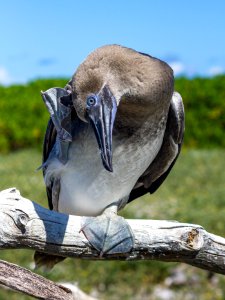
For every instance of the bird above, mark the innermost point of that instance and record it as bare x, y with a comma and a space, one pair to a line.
115, 132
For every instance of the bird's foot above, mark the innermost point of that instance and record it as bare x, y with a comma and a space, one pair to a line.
108, 233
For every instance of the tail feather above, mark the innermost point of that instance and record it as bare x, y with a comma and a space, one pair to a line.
46, 261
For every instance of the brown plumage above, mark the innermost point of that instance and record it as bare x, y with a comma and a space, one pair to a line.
137, 78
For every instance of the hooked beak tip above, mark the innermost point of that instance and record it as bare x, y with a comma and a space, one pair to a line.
107, 165
110, 169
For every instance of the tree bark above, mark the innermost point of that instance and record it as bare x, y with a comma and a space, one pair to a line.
25, 224
27, 282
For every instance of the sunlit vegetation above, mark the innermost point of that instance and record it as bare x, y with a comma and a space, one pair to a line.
24, 116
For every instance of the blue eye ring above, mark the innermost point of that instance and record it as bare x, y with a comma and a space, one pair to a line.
91, 101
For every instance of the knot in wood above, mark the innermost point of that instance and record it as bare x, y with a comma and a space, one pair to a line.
21, 220
194, 239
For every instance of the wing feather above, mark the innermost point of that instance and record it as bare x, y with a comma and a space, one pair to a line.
57, 101
49, 142
161, 166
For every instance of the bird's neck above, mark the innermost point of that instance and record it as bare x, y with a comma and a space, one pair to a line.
135, 117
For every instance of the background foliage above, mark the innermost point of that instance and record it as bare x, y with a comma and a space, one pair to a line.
204, 101
24, 117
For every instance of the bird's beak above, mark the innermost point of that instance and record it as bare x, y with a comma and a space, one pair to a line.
102, 115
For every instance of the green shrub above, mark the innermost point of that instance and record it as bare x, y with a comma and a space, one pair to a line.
23, 116
204, 100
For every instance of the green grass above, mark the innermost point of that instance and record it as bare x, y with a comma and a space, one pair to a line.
194, 192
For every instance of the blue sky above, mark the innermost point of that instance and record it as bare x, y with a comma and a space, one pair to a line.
50, 38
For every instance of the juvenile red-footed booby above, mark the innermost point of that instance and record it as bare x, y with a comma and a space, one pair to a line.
115, 132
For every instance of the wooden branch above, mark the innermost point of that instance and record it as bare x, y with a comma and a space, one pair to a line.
25, 224
27, 282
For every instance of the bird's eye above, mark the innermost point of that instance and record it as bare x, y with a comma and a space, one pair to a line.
91, 101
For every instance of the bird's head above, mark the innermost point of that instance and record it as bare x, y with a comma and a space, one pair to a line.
107, 75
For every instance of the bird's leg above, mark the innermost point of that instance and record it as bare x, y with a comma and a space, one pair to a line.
108, 233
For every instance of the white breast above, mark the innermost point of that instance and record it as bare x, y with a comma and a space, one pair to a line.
87, 188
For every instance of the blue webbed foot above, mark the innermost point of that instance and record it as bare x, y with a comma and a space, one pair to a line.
108, 233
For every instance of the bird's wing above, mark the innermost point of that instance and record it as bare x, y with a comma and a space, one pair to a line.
49, 142
161, 166
58, 135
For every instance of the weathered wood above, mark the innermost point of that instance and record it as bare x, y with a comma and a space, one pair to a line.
25, 224
27, 282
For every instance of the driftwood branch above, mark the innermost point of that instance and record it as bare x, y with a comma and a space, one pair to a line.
16, 278
25, 224
27, 282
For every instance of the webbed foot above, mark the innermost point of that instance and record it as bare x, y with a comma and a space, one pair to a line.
108, 233
59, 102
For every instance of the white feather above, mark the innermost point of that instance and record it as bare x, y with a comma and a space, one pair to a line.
86, 187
